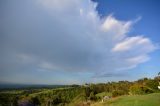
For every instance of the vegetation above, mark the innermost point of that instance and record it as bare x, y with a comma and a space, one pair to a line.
123, 93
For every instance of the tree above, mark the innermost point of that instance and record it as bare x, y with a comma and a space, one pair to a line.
92, 96
15, 101
35, 101
152, 84
117, 93
140, 89
87, 92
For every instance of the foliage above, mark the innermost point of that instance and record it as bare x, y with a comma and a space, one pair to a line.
140, 89
76, 94
92, 96
118, 93
152, 84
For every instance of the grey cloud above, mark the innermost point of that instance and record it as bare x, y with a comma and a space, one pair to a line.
62, 36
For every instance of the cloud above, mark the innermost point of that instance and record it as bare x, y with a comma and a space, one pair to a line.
111, 74
137, 42
115, 27
68, 36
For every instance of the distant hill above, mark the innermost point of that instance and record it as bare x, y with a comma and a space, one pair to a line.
29, 86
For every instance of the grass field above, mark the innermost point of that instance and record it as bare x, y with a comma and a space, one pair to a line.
133, 100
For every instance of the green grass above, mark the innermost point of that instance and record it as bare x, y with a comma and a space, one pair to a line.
133, 100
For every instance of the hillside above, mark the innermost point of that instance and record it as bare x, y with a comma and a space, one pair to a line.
143, 92
133, 100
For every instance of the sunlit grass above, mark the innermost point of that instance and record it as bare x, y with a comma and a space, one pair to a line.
133, 100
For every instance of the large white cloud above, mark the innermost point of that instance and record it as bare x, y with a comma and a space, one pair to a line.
69, 35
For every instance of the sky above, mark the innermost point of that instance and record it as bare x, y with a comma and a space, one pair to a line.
78, 41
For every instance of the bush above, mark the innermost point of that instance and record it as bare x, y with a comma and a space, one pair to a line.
35, 101
153, 84
139, 89
118, 93
92, 96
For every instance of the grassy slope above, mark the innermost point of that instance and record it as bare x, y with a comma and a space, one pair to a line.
136, 100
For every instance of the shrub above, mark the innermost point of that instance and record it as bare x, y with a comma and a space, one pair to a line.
139, 89
118, 93
92, 96
152, 84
